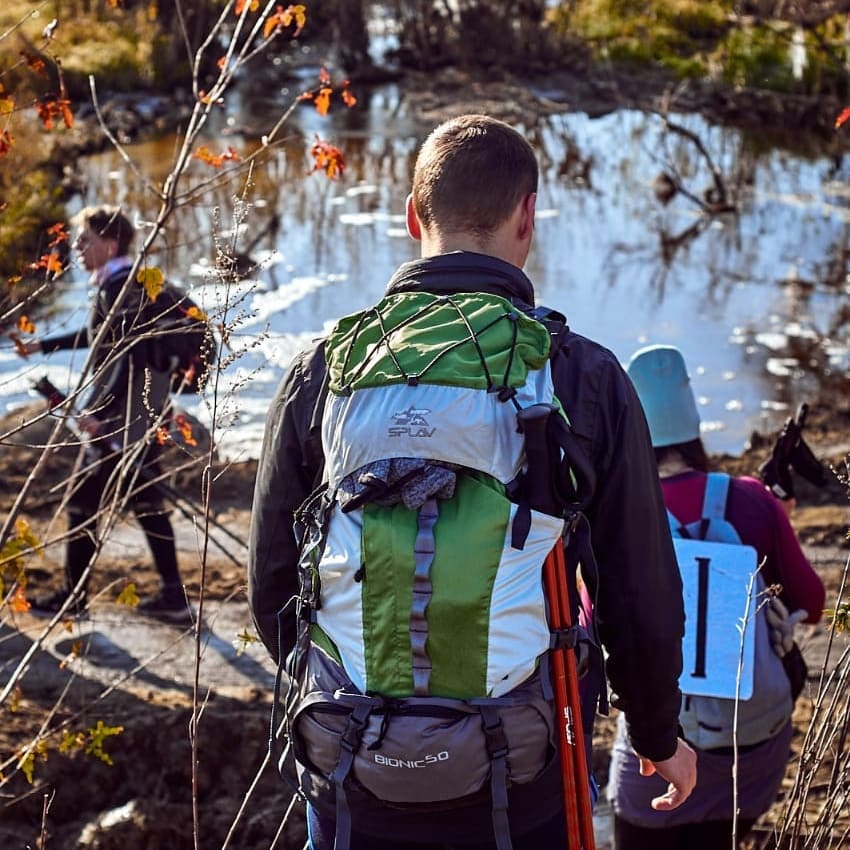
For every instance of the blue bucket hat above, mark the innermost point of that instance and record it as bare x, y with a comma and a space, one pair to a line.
660, 377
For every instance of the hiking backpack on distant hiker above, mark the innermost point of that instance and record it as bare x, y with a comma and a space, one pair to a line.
420, 672
184, 344
719, 573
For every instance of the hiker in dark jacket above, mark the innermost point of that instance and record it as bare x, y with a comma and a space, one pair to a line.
125, 400
472, 210
763, 735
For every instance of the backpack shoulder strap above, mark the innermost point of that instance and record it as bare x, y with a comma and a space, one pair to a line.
555, 323
716, 492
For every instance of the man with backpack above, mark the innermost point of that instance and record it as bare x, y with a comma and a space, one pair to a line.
420, 705
127, 398
743, 564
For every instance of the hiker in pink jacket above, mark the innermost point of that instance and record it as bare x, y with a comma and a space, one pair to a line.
759, 518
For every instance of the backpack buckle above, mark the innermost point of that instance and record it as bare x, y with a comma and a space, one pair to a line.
564, 638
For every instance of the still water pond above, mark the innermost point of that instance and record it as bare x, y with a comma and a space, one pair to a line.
751, 299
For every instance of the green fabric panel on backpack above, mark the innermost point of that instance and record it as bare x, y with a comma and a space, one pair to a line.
470, 537
388, 538
420, 326
318, 636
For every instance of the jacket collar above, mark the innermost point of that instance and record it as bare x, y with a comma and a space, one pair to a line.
109, 268
463, 271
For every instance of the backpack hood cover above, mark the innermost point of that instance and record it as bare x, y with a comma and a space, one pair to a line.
397, 373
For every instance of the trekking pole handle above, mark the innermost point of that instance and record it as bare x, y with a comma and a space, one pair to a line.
49, 390
540, 493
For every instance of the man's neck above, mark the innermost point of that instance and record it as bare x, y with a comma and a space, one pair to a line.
449, 243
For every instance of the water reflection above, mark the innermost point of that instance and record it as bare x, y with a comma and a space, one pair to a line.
626, 268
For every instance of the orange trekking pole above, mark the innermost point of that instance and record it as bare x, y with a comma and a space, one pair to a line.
540, 493
577, 808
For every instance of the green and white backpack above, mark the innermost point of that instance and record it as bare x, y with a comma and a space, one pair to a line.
420, 674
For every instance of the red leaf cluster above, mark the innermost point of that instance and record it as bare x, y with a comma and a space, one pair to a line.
53, 108
327, 158
51, 263
321, 96
35, 63
204, 154
58, 234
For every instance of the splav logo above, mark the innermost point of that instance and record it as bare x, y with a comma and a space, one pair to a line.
411, 423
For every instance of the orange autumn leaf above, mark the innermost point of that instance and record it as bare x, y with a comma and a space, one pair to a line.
843, 117
282, 18
65, 111
46, 113
51, 263
152, 279
50, 109
163, 438
6, 142
59, 234
323, 100
7, 105
18, 603
222, 63
348, 98
196, 313
204, 154
299, 12
252, 5
35, 63
25, 325
327, 158
185, 428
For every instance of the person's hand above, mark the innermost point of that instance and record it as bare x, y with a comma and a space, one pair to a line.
680, 770
781, 625
88, 424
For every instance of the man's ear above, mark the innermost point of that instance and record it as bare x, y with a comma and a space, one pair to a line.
413, 226
526, 218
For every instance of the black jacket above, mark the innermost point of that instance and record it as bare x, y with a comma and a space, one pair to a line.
639, 605
122, 396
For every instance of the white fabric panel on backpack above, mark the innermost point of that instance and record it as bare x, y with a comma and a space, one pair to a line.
453, 424
715, 645
518, 606
340, 615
